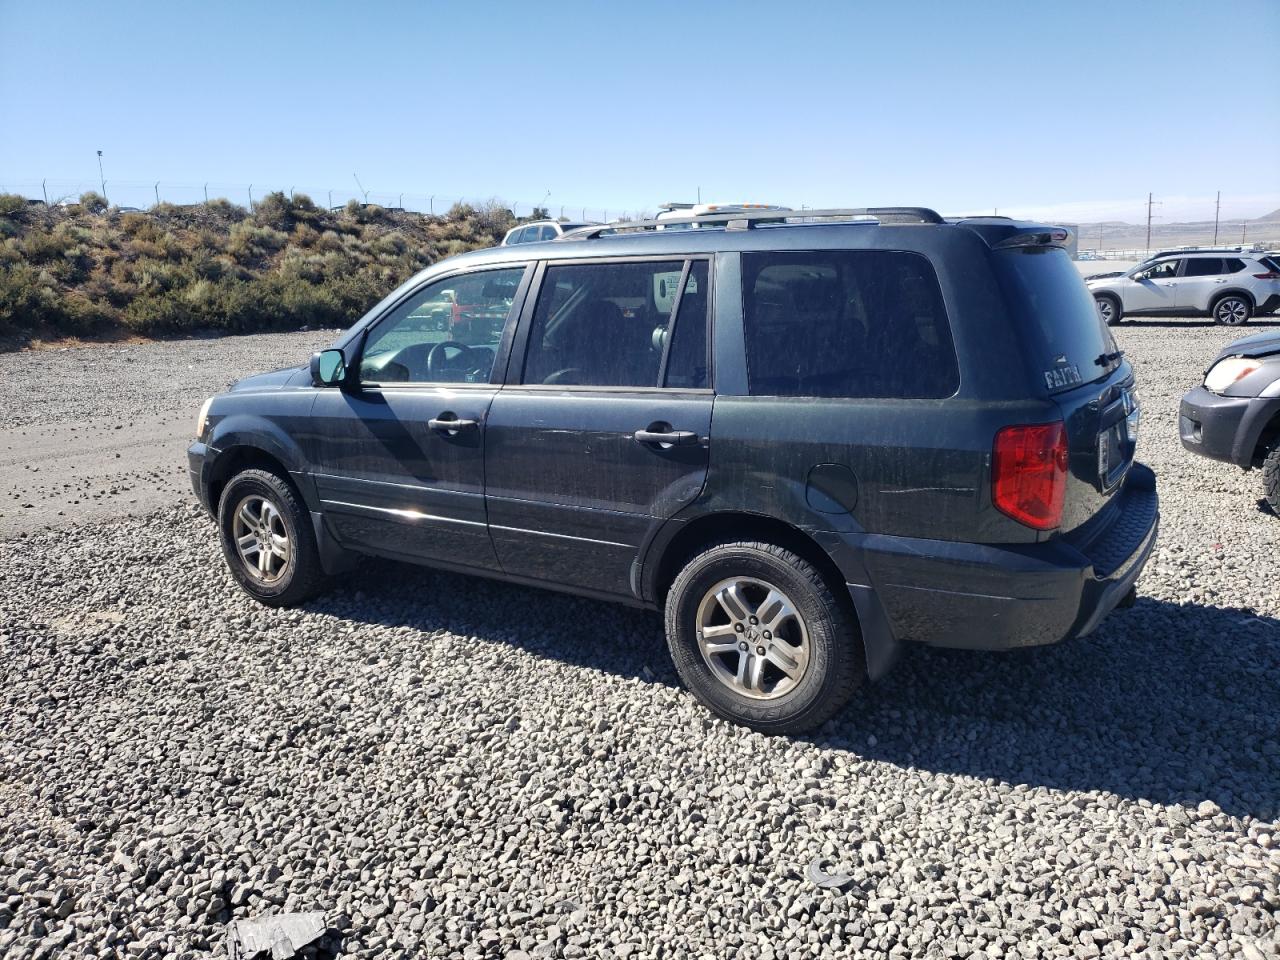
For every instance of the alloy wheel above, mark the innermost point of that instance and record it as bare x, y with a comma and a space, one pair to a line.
261, 538
753, 638
1231, 311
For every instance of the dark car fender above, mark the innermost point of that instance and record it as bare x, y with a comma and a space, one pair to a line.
778, 510
238, 433
1260, 415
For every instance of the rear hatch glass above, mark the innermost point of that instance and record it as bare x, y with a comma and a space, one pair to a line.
1078, 363
1056, 315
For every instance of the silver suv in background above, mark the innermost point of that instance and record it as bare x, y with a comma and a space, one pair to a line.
1230, 287
542, 230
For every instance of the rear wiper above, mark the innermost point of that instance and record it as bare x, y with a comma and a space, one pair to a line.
1104, 358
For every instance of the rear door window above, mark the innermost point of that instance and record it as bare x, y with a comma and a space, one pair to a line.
610, 325
1232, 265
1203, 267
846, 323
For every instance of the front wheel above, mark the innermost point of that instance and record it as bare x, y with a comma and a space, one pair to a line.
1109, 309
267, 539
1271, 478
759, 637
1232, 310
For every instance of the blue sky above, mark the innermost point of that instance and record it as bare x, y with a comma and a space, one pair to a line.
1065, 109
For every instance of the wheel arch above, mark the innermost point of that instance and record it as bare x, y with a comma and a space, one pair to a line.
1268, 437
246, 456
1229, 291
666, 560
880, 648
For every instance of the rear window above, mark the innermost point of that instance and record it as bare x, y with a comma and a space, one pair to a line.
846, 323
1057, 315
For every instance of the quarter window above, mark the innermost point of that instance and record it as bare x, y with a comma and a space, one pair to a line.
609, 324
846, 324
448, 332
1232, 265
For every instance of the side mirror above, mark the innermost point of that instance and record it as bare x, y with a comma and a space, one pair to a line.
328, 368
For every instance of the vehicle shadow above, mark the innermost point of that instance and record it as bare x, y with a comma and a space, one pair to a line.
1171, 703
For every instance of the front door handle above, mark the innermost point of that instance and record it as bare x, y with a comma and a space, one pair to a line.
451, 424
675, 438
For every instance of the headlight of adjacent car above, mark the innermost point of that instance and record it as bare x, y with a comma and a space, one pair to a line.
1226, 372
202, 417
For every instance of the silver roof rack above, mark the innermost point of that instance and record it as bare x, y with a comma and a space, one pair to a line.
749, 219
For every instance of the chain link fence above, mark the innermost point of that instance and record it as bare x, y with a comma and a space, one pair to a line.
144, 194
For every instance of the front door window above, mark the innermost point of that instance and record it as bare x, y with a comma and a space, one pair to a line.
447, 332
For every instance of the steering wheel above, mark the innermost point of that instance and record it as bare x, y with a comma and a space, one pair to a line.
568, 375
438, 361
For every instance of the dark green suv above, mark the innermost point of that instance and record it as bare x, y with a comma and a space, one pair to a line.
807, 442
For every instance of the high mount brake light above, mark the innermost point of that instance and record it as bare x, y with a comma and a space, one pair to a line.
1029, 473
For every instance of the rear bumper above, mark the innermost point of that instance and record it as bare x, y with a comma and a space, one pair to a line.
1224, 428
1269, 305
984, 597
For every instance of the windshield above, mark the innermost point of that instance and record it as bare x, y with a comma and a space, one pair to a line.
1057, 314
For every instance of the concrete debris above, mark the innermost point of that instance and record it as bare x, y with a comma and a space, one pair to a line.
284, 934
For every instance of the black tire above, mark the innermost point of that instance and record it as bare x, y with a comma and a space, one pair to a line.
835, 663
1232, 310
1106, 300
301, 575
1271, 477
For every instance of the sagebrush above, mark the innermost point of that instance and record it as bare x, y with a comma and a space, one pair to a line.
89, 270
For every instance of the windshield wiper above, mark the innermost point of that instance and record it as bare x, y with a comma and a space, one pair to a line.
1104, 358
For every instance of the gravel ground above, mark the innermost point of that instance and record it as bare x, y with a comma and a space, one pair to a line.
452, 767
89, 433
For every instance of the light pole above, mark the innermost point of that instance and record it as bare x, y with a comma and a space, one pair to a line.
101, 176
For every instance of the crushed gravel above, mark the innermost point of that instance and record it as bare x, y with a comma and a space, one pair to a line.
452, 767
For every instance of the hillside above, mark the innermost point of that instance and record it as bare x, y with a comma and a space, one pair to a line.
1116, 235
90, 271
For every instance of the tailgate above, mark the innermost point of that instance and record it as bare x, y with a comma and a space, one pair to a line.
1102, 421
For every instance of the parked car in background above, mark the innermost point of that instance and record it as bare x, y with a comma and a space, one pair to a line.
1230, 287
541, 230
922, 434
1234, 416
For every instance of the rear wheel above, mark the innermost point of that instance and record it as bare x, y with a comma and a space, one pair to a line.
1109, 309
1271, 477
759, 637
1232, 310
267, 539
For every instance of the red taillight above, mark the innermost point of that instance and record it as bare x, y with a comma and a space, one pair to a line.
1029, 473
1267, 276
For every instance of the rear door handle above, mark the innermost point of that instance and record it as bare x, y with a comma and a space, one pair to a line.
451, 424
1170, 284
677, 438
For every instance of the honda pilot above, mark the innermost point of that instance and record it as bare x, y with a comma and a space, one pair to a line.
807, 442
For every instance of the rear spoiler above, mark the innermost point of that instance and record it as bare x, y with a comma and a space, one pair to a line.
1039, 237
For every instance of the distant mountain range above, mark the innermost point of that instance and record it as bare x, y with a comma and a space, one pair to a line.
1117, 235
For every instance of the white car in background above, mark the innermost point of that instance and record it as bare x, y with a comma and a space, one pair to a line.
1229, 286
540, 230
